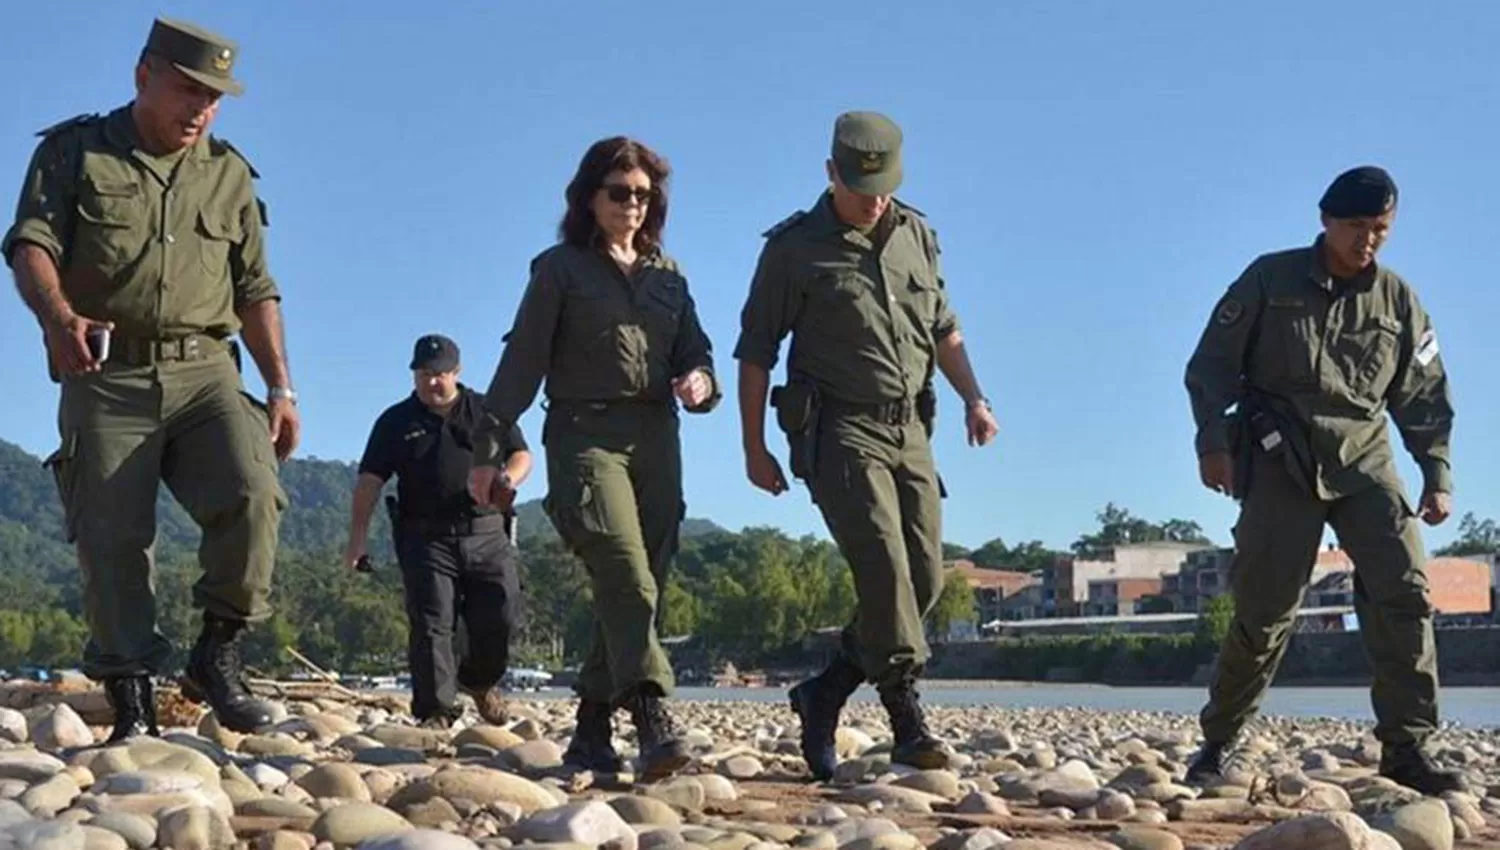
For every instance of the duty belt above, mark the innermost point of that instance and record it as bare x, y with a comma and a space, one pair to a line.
144, 351
460, 527
898, 412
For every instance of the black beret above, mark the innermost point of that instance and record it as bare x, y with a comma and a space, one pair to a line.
1359, 193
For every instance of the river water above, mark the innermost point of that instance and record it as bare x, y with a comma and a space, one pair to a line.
1473, 707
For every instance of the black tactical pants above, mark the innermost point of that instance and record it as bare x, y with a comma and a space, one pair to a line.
463, 603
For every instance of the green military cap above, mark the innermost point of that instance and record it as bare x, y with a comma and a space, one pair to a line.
867, 152
202, 55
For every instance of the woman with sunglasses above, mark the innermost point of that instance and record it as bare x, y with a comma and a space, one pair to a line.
608, 322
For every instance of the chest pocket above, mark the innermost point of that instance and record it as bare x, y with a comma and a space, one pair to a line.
218, 231
841, 304
590, 314
1288, 340
112, 224
421, 444
662, 305
922, 301
1369, 355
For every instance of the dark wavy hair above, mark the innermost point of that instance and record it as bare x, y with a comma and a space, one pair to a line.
605, 156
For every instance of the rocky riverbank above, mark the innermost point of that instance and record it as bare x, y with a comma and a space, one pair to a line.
345, 771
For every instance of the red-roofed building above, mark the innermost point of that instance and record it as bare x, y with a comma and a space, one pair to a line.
992, 586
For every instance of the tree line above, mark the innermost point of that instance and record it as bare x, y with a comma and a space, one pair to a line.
747, 596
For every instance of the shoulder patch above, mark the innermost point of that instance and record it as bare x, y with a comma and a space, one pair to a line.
785, 224
1229, 312
76, 121
236, 151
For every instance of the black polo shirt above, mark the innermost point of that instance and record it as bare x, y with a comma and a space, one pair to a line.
431, 456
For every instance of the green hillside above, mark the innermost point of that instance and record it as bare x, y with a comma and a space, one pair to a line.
340, 619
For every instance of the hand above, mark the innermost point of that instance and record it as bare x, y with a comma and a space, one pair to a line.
1216, 469
502, 493
694, 388
1436, 507
286, 426
765, 471
482, 481
353, 552
981, 424
67, 341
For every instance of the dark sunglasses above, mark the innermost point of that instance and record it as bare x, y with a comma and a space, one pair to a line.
620, 193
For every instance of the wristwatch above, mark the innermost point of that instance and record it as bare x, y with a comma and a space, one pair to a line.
504, 481
287, 393
980, 401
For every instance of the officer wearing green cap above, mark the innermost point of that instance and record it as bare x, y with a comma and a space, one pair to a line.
139, 243
857, 284
1291, 383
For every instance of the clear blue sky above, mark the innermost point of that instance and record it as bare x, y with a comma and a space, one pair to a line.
1097, 172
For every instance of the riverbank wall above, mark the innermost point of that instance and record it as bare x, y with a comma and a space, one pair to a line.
1467, 656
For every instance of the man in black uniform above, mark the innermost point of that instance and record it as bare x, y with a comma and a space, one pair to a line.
457, 559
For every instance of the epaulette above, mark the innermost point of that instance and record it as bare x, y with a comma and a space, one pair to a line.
908, 207
236, 151
784, 224
76, 121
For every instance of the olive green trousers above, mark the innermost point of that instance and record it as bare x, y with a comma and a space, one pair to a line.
1277, 538
188, 424
614, 494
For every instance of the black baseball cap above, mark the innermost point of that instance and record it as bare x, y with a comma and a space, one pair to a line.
436, 353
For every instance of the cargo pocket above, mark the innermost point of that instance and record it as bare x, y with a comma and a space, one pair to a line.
1374, 358
64, 464
576, 512
262, 452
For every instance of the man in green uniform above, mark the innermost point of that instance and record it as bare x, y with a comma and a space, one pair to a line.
1311, 347
857, 284
138, 243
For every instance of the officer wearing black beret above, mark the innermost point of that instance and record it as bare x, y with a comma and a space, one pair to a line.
1302, 362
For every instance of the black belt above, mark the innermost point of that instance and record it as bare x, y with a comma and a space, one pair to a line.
898, 412
144, 351
602, 405
461, 527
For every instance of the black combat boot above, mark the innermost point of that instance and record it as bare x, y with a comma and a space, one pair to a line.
592, 747
663, 751
817, 703
1207, 766
135, 707
1409, 765
914, 745
215, 675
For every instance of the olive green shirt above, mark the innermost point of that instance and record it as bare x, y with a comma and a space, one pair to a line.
596, 334
865, 318
163, 247
1341, 353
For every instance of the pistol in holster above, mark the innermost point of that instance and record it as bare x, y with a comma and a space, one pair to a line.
1256, 430
797, 407
1242, 450
926, 403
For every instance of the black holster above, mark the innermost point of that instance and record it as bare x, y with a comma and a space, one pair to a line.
798, 406
926, 402
1270, 428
